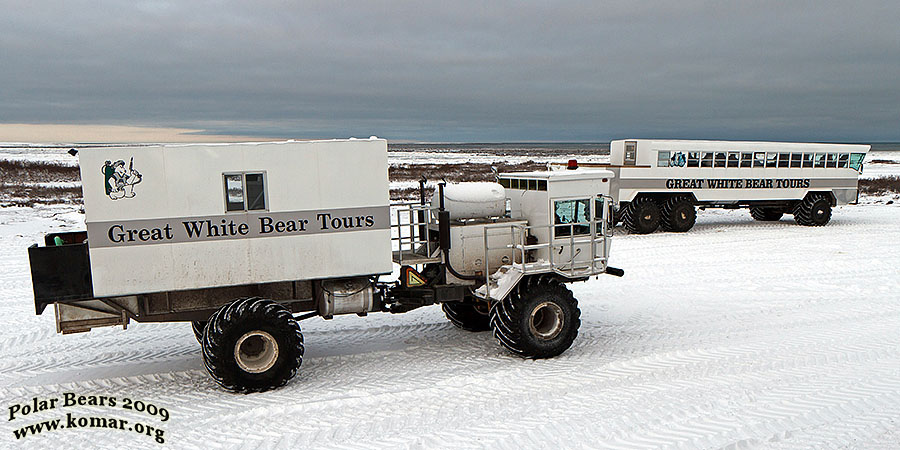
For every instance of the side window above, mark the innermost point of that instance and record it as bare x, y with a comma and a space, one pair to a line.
706, 160
807, 160
662, 159
771, 159
568, 212
504, 182
746, 159
720, 159
630, 153
245, 191
795, 159
256, 191
831, 160
784, 160
759, 160
234, 192
819, 160
856, 160
734, 159
843, 160
693, 159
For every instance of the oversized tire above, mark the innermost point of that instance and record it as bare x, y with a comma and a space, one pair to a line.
468, 316
766, 214
538, 319
813, 211
642, 216
252, 345
198, 326
678, 214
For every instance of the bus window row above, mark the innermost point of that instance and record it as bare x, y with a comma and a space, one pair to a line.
760, 159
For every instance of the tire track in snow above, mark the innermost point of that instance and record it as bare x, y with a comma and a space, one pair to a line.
693, 366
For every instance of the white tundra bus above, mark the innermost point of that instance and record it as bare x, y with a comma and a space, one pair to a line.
246, 240
659, 183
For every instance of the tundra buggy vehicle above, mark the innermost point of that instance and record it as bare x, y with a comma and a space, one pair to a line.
245, 240
659, 183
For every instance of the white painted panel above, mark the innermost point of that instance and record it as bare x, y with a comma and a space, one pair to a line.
185, 182
139, 269
150, 194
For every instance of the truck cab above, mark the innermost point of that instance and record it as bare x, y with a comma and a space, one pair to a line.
568, 212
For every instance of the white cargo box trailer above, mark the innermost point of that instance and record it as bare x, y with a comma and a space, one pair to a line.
205, 216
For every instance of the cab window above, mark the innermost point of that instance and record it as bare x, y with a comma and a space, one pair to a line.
856, 160
571, 217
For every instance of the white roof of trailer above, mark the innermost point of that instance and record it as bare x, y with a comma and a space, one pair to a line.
678, 144
234, 144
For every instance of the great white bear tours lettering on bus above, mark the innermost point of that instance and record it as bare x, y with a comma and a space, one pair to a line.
199, 229
737, 183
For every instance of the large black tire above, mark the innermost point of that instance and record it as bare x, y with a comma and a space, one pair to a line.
538, 319
642, 216
198, 326
678, 214
252, 345
766, 214
813, 211
468, 316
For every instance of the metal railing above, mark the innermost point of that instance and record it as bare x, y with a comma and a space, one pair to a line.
571, 268
412, 235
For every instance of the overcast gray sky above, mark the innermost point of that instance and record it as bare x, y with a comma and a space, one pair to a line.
459, 70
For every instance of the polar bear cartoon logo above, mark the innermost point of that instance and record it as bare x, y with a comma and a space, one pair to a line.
120, 181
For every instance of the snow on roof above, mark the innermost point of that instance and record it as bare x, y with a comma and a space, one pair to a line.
577, 174
682, 144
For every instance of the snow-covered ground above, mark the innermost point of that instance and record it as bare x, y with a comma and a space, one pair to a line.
737, 334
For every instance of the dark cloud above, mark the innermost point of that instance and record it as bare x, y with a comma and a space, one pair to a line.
822, 70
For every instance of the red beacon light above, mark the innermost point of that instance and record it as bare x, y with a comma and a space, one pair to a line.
573, 164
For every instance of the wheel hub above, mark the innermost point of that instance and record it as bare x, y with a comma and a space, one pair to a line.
546, 321
256, 351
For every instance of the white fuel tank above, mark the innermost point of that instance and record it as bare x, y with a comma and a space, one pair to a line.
472, 200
